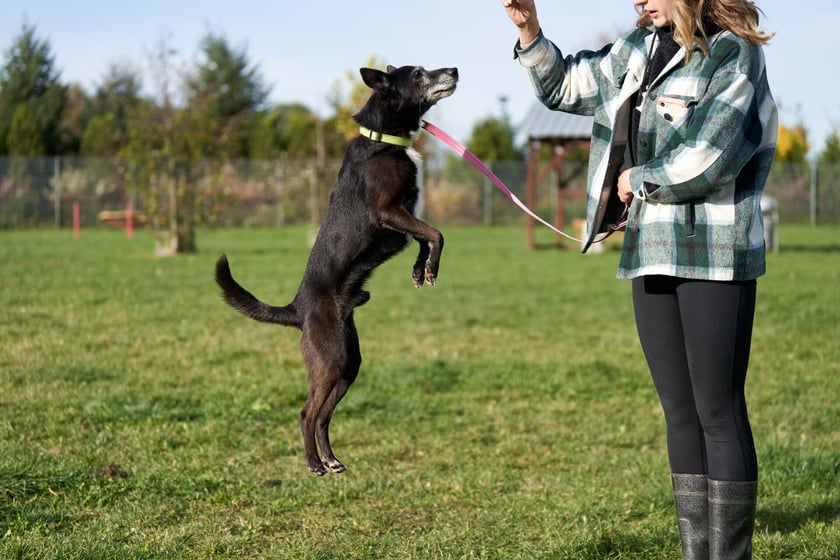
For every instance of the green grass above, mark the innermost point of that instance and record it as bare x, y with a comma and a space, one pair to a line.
506, 413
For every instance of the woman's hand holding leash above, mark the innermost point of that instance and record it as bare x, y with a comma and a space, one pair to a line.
625, 191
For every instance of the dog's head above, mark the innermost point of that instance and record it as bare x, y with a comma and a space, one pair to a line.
407, 92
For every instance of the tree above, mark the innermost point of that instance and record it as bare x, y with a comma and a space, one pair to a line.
792, 144
101, 136
494, 138
288, 130
25, 136
115, 98
29, 78
831, 152
153, 158
74, 119
223, 96
173, 153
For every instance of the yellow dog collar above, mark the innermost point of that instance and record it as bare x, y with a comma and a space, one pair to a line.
387, 138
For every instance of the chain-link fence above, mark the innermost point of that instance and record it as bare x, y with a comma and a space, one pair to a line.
38, 192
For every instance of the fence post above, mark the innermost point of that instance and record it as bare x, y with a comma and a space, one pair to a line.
77, 220
129, 220
487, 197
814, 191
57, 191
280, 182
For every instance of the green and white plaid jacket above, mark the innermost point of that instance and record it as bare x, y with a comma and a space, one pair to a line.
707, 136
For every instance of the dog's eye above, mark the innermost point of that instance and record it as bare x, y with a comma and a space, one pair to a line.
417, 74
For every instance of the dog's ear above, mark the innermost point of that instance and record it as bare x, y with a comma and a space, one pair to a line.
375, 79
390, 69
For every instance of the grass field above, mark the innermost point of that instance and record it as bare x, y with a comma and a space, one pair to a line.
506, 413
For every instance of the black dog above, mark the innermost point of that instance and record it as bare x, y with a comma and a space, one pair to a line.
370, 216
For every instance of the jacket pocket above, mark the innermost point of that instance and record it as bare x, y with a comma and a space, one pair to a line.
675, 110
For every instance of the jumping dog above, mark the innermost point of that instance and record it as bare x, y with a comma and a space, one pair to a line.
370, 217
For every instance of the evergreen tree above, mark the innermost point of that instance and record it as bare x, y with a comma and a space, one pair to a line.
831, 153
25, 137
74, 119
223, 94
494, 138
287, 130
113, 103
29, 79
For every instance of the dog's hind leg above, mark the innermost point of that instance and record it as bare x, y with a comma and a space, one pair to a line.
351, 370
323, 353
318, 394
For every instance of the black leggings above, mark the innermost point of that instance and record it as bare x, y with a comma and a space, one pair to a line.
696, 338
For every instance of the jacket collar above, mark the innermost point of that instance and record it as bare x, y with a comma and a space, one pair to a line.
625, 65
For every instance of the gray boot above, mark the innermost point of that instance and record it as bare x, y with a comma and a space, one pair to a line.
691, 496
731, 519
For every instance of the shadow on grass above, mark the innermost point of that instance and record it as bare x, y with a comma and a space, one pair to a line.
778, 520
797, 486
616, 544
817, 249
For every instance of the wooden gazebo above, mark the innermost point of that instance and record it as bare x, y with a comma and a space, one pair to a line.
561, 131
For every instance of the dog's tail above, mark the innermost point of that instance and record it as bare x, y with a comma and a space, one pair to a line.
246, 303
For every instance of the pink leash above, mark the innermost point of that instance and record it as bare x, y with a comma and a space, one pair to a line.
478, 164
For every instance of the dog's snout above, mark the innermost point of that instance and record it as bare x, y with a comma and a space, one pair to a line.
443, 83
444, 74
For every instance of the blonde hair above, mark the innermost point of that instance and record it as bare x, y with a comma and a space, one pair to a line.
695, 20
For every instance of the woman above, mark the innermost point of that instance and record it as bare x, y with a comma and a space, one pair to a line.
684, 134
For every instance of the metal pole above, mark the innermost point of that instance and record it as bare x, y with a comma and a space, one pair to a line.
487, 197
280, 182
57, 191
814, 191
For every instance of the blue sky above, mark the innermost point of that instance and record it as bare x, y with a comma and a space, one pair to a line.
304, 48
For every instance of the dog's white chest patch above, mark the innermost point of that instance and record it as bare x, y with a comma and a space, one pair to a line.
415, 156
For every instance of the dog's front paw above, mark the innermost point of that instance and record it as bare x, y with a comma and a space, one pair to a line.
417, 276
425, 273
431, 274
